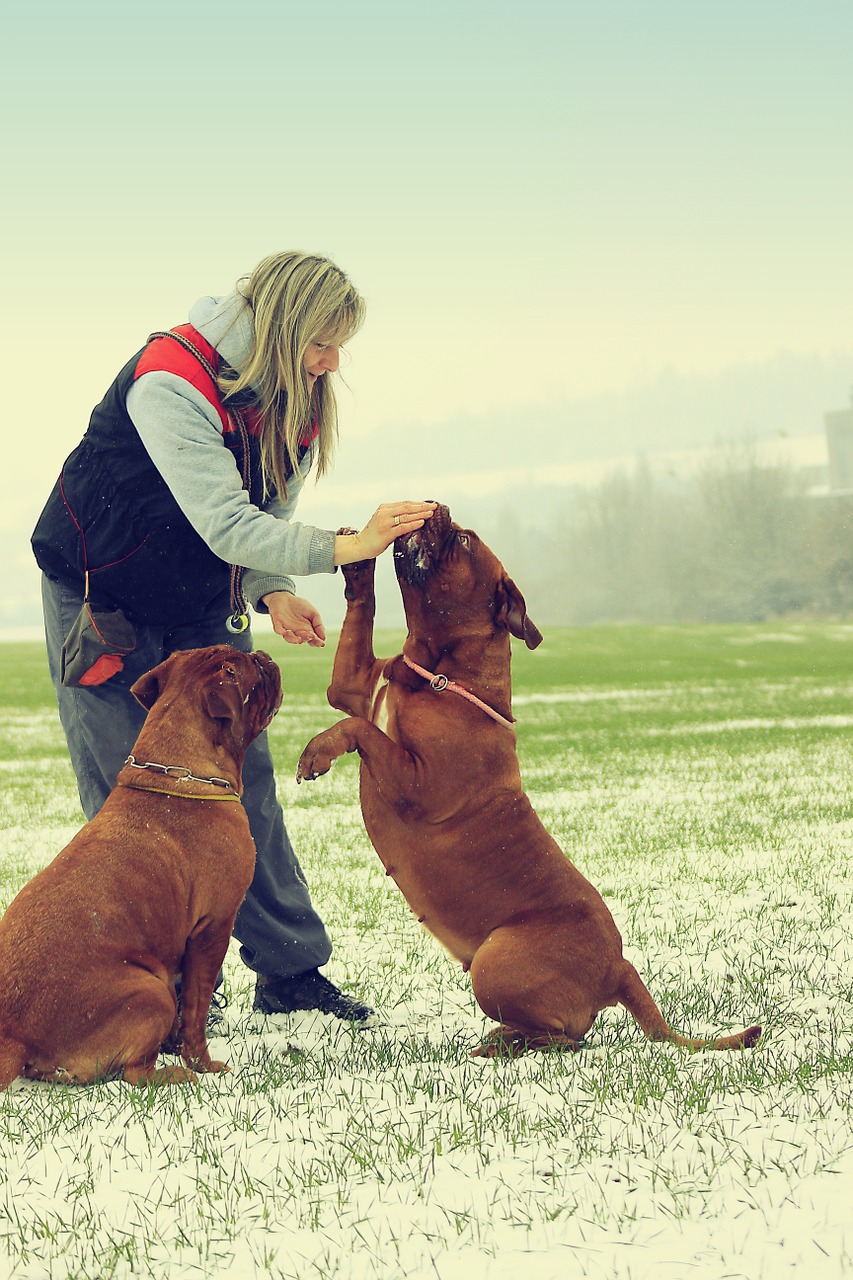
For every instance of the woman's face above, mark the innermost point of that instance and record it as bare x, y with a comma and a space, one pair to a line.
320, 358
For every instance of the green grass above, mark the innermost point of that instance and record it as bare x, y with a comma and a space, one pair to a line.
701, 778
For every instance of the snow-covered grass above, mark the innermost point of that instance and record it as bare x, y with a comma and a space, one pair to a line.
702, 780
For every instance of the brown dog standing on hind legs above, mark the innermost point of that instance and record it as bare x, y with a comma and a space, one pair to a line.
147, 891
444, 807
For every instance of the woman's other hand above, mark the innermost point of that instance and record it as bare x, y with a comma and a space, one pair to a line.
295, 620
388, 522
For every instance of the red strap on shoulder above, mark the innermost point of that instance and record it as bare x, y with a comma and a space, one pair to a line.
164, 355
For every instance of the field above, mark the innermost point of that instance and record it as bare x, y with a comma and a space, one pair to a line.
701, 778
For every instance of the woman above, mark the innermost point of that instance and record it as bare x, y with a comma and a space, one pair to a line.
176, 508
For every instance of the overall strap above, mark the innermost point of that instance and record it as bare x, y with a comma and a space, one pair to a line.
239, 618
188, 346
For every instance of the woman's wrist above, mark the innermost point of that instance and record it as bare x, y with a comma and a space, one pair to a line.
348, 548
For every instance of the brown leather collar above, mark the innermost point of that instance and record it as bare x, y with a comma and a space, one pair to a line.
177, 795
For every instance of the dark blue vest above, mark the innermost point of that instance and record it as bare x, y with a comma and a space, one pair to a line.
112, 515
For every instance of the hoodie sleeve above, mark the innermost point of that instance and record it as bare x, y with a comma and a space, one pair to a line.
183, 438
256, 583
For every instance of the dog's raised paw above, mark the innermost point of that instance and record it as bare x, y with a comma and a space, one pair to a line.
312, 765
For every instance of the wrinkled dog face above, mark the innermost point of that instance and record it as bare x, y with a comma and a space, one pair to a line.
439, 546
418, 554
243, 688
449, 577
267, 689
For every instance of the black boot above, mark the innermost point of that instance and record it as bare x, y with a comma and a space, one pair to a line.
308, 990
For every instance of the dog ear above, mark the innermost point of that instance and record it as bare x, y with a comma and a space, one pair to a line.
222, 697
511, 613
146, 690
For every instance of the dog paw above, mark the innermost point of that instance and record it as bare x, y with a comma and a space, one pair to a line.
204, 1064
313, 763
506, 1042
358, 575
159, 1076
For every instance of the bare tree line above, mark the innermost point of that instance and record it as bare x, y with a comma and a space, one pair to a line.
740, 540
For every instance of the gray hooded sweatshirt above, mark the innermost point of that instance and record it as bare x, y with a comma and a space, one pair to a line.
182, 433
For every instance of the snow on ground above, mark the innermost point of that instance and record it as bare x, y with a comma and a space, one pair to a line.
390, 1152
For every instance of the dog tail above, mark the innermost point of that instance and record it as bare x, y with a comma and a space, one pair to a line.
634, 995
13, 1057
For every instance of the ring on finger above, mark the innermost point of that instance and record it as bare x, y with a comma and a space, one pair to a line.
396, 522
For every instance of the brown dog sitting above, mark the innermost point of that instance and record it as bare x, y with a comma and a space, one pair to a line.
444, 808
91, 947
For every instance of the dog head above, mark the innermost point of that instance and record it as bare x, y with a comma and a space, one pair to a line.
239, 690
454, 584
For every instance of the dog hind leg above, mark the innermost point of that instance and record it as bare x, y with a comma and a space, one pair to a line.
143, 1073
508, 1042
536, 1007
13, 1058
126, 1043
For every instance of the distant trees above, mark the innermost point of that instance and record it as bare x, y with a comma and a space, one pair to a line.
739, 540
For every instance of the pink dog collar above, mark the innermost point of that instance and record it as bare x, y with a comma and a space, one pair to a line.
439, 683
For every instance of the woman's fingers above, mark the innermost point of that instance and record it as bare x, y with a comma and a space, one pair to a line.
391, 520
396, 518
407, 516
295, 620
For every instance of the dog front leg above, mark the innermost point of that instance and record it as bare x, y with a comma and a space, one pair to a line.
395, 772
203, 956
352, 672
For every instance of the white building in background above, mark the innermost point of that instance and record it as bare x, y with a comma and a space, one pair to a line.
839, 445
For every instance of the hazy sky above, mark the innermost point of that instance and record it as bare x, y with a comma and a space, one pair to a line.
542, 201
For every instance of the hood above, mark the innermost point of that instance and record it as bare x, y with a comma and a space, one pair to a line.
226, 323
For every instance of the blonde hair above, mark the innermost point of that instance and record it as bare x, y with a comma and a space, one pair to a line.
295, 299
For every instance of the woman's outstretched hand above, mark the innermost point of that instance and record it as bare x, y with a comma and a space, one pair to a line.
387, 523
295, 620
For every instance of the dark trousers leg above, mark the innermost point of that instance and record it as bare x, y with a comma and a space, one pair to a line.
280, 932
277, 925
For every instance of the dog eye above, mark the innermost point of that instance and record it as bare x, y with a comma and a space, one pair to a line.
464, 539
